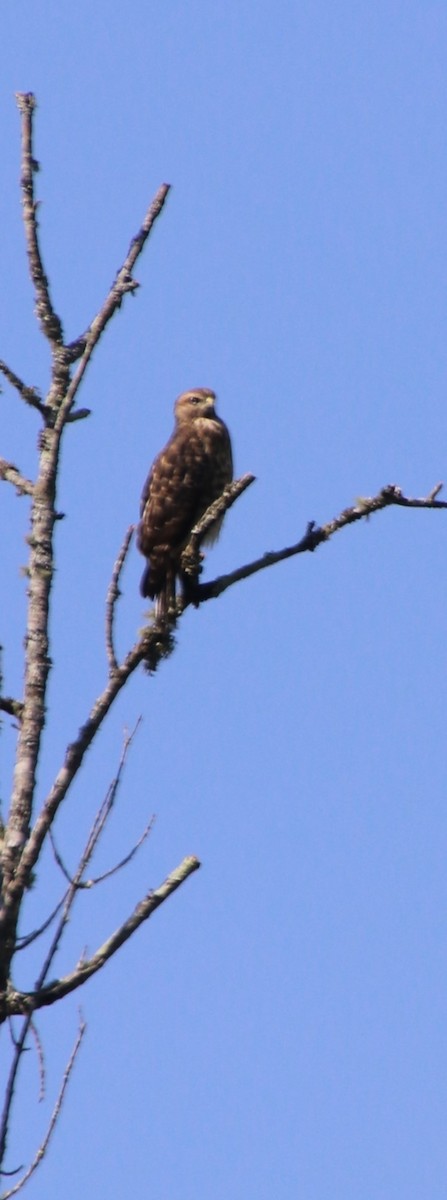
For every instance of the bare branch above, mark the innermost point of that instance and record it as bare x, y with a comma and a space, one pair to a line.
23, 942
78, 414
89, 883
49, 321
220, 506
315, 535
123, 282
150, 642
40, 1058
59, 860
152, 646
100, 820
66, 905
11, 1082
12, 1036
40, 569
191, 554
84, 346
29, 394
24, 1002
95, 833
11, 474
86, 884
113, 595
54, 1117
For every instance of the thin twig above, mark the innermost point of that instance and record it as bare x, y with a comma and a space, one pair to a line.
77, 882
40, 1059
123, 282
58, 859
54, 1116
89, 883
10, 1085
71, 893
113, 595
84, 346
29, 394
27, 939
76, 750
95, 833
11, 1032
49, 321
11, 474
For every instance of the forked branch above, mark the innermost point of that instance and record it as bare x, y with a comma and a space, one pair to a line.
152, 643
40, 1154
316, 534
58, 412
28, 1002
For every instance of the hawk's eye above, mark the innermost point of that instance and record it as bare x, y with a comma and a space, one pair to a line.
195, 399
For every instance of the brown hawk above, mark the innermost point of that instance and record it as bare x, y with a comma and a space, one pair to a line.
186, 477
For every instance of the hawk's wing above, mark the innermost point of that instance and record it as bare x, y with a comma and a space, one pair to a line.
172, 499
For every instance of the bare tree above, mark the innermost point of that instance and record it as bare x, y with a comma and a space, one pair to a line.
26, 831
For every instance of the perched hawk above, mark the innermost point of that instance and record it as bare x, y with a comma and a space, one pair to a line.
191, 472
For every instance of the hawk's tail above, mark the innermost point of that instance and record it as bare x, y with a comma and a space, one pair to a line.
163, 592
145, 585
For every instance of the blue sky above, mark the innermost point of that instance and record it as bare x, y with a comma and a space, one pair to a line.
277, 1029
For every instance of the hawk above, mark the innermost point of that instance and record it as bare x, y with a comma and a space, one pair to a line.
185, 478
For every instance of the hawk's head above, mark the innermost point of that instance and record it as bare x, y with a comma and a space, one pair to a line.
199, 402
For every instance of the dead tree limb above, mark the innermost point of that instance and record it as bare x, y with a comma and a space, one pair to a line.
29, 1002
40, 1154
315, 535
57, 410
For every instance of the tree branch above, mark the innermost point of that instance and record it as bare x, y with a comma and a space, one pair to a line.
76, 882
29, 394
78, 414
25, 941
11, 474
150, 642
84, 346
95, 833
40, 1058
89, 883
190, 562
113, 595
315, 535
54, 1117
92, 840
49, 321
28, 1002
153, 646
58, 411
123, 281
